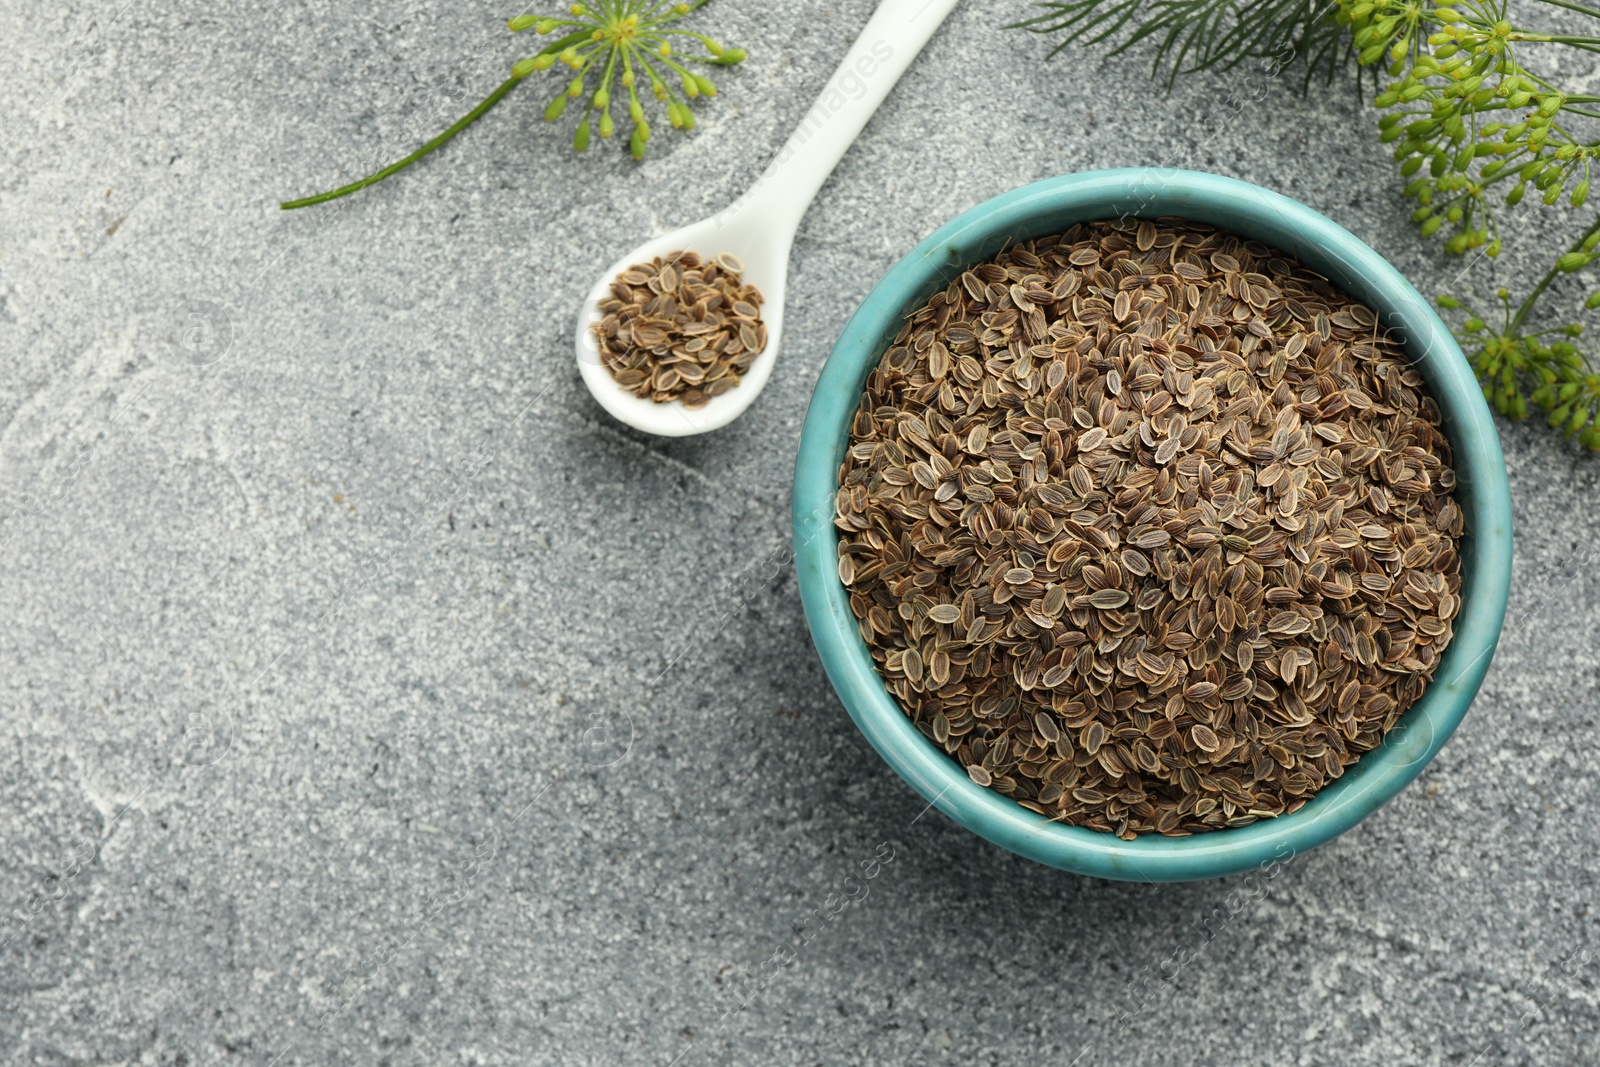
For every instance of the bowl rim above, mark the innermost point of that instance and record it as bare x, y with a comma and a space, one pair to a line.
1049, 206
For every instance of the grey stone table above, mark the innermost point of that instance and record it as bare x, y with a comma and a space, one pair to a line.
371, 698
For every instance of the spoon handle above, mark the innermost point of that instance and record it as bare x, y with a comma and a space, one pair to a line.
882, 51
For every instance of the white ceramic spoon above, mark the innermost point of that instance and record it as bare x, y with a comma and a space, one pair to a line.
759, 228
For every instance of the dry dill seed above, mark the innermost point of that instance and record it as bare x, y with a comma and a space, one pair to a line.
1172, 516
681, 328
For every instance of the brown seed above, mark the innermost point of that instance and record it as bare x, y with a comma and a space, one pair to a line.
1204, 739
1046, 727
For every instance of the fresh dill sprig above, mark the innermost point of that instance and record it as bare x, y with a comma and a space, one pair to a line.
1473, 129
1197, 35
621, 41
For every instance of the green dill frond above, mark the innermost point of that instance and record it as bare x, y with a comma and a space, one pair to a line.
1199, 35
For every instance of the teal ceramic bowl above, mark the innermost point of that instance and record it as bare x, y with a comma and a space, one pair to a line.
1049, 207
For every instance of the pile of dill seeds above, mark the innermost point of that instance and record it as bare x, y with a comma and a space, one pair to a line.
1149, 527
681, 328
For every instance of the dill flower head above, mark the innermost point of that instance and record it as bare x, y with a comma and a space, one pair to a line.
623, 43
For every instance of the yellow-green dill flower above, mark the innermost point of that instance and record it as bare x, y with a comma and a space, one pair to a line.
614, 40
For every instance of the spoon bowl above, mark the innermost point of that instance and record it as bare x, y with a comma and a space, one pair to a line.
760, 227
766, 260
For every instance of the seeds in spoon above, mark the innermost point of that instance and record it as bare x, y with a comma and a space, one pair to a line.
681, 328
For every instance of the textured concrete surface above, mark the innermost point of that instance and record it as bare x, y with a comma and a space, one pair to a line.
370, 697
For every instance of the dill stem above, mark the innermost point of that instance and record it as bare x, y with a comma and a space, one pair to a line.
1579, 8
1544, 283
372, 179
